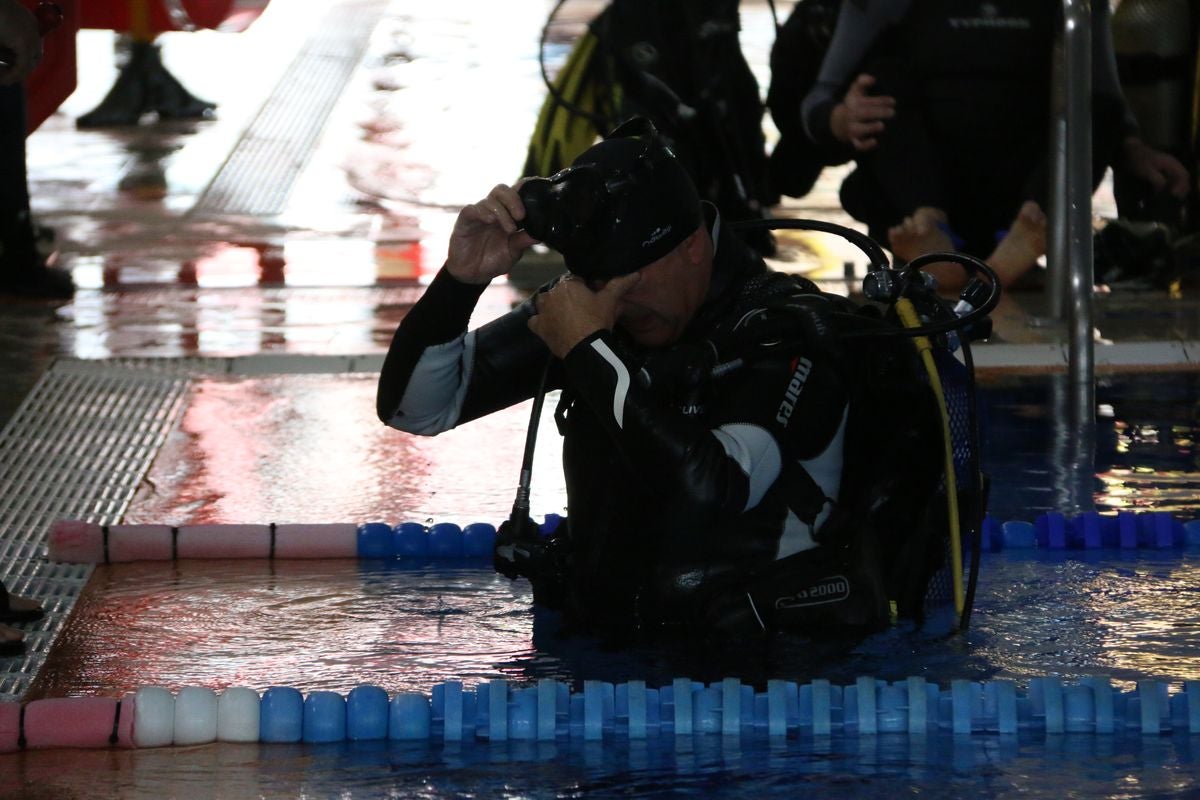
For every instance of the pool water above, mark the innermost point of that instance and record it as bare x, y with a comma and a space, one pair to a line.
885, 766
331, 626
1146, 444
307, 448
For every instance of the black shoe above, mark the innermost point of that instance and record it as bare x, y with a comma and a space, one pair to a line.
145, 86
50, 283
171, 100
23, 268
126, 99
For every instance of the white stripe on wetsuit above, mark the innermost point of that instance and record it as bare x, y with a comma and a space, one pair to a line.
621, 390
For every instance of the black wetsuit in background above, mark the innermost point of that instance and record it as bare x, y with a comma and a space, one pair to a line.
972, 83
673, 488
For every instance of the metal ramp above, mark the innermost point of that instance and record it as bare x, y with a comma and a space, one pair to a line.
77, 447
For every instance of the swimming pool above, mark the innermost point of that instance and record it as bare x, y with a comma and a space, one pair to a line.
274, 446
1146, 443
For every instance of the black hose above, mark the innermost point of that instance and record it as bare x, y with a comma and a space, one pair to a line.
878, 260
873, 251
519, 517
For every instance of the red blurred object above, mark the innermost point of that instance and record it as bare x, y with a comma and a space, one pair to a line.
118, 15
54, 78
49, 16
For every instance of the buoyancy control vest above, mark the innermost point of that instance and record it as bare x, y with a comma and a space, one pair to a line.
880, 551
886, 538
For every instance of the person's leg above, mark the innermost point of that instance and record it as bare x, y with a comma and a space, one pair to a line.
996, 182
898, 189
1023, 242
23, 269
862, 198
14, 191
905, 168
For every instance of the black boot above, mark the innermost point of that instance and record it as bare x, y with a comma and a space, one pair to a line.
168, 97
145, 86
23, 268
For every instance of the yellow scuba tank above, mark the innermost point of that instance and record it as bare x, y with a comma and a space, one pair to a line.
566, 124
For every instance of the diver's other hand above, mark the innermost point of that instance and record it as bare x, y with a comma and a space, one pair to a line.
858, 119
570, 312
485, 241
19, 35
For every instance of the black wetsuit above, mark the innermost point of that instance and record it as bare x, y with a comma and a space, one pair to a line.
674, 487
972, 83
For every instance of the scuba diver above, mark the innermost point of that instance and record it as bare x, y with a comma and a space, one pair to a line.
743, 453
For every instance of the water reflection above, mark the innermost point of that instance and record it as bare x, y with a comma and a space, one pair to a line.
309, 431
311, 449
885, 766
407, 626
1145, 456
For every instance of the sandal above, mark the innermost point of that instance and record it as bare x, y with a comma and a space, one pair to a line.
10, 614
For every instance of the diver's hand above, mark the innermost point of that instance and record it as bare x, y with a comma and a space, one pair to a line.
485, 241
570, 312
19, 37
858, 119
1160, 169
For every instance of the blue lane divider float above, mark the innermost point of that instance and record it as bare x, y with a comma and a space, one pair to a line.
78, 542
1126, 530
549, 710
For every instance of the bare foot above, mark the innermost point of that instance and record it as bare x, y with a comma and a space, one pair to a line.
925, 232
919, 234
1022, 246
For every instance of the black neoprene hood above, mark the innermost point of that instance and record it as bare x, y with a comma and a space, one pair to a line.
651, 207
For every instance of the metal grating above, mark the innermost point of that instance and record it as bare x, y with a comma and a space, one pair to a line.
77, 448
257, 177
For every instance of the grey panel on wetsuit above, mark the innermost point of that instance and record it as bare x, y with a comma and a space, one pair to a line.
433, 400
